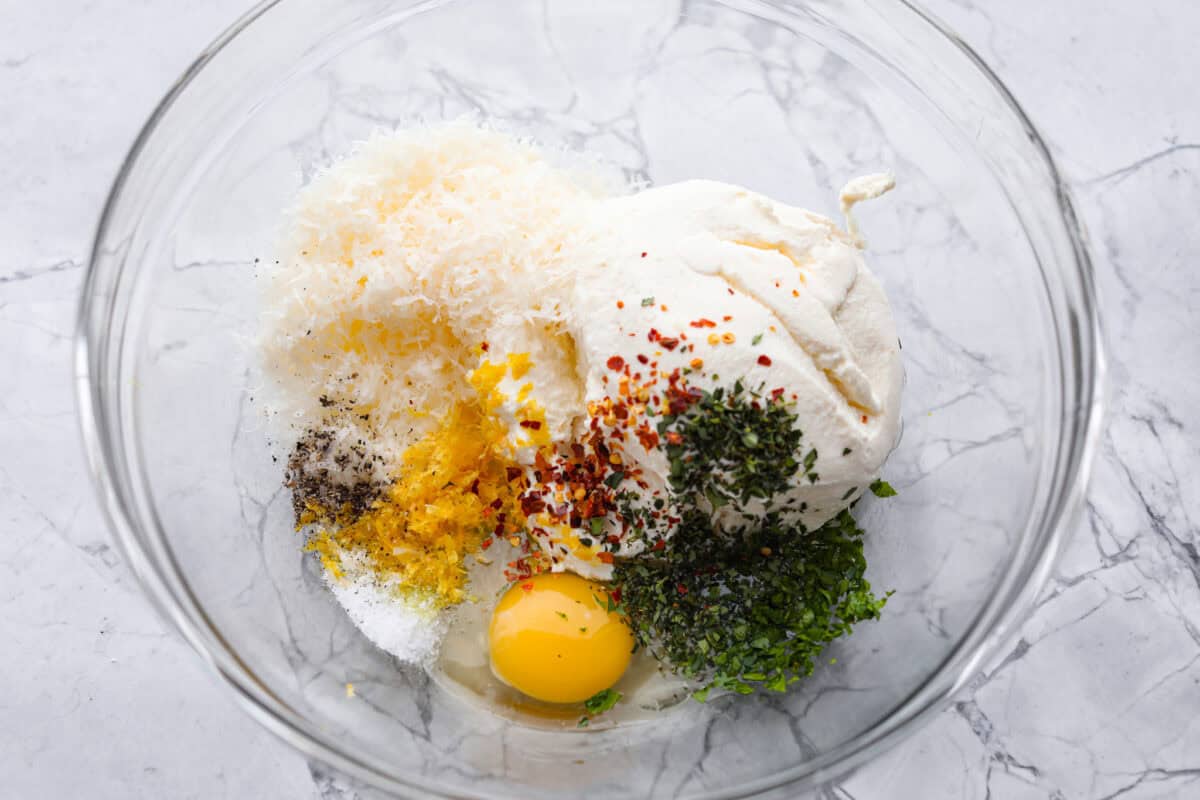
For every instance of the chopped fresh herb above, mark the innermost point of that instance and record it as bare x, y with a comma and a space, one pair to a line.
583, 629
881, 488
601, 701
757, 338
647, 301
846, 451
733, 445
597, 525
749, 607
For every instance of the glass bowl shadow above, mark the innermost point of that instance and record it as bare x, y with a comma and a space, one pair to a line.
978, 248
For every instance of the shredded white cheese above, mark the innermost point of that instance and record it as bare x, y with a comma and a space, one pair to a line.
400, 262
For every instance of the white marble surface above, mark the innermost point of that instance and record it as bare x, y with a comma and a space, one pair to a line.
1099, 699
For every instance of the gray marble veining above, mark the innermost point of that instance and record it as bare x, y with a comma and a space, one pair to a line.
1100, 696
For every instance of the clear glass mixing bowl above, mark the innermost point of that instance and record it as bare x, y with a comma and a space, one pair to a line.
978, 248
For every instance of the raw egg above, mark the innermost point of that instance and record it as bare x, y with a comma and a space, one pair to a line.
553, 638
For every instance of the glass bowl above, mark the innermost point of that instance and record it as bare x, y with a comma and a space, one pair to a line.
979, 250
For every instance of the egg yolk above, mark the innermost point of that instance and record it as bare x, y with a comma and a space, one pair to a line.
553, 638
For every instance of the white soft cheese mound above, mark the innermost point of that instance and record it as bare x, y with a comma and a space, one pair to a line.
789, 285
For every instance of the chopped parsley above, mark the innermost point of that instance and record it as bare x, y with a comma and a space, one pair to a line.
881, 488
647, 301
734, 445
748, 608
598, 703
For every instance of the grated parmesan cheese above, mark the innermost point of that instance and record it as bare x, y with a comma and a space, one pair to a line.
401, 261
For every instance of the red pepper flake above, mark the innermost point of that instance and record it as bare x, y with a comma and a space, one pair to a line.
605, 556
620, 304
669, 342
486, 543
616, 363
679, 587
660, 545
654, 335
643, 255
483, 346
512, 473
532, 424
705, 323
497, 504
527, 586
474, 487
864, 419
777, 393
726, 318
674, 437
643, 359
730, 290
764, 360
795, 293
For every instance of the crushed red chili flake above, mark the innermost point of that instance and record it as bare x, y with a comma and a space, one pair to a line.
727, 318
764, 360
643, 359
512, 473
864, 419
532, 424
605, 557
615, 363
660, 545
643, 255
777, 393
704, 323
620, 304
669, 342
526, 586
486, 543
483, 346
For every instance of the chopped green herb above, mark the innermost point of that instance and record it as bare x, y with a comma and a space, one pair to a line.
733, 445
846, 451
757, 338
561, 614
791, 593
601, 701
597, 525
882, 488
647, 301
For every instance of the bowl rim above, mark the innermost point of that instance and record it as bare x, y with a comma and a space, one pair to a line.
970, 655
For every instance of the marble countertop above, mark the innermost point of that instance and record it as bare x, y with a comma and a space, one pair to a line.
1100, 698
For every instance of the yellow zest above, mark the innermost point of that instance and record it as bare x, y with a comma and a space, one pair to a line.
453, 493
